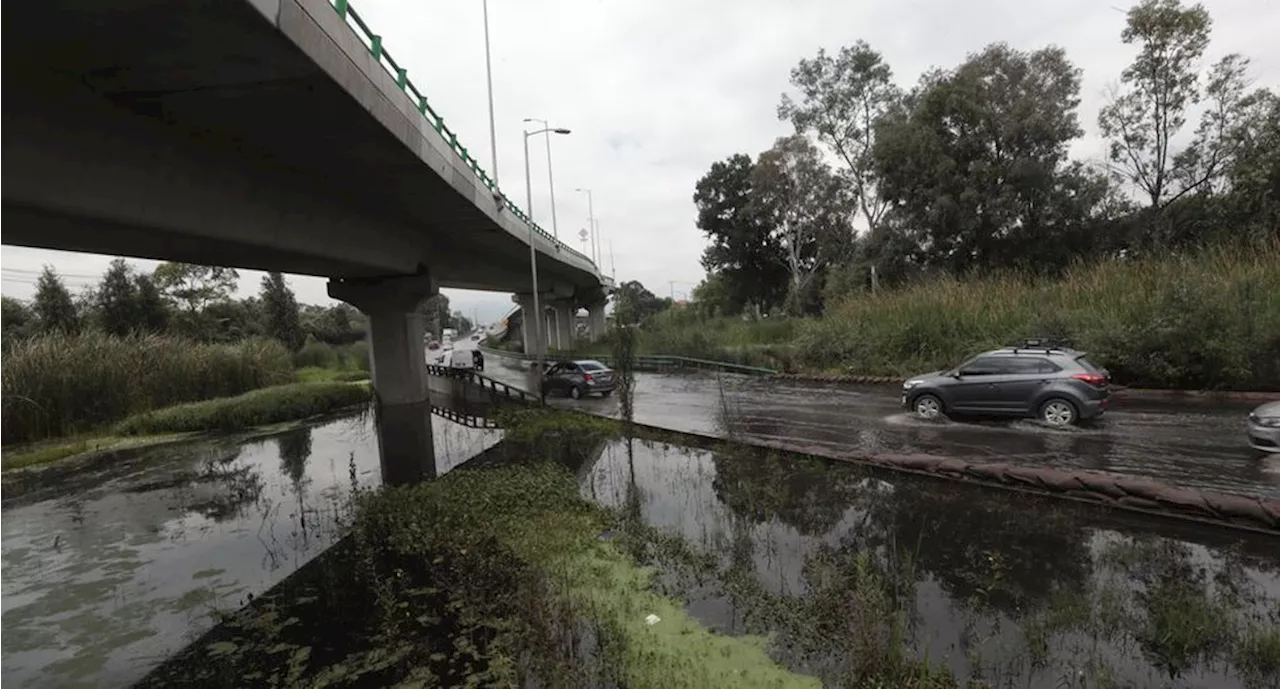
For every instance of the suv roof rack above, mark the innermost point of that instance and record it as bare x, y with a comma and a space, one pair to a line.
1041, 344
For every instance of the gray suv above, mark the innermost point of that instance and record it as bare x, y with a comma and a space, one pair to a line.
1039, 378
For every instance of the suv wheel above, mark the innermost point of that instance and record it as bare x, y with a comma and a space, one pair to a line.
1058, 412
927, 407
575, 392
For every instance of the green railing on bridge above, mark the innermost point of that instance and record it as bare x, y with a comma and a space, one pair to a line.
373, 42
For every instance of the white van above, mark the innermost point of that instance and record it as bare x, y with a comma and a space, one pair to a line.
462, 358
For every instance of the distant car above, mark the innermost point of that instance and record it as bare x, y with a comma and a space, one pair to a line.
1264, 428
1039, 378
578, 378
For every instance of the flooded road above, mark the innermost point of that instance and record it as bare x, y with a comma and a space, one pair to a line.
109, 571
1192, 444
833, 565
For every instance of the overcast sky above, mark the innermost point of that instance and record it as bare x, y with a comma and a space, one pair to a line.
656, 91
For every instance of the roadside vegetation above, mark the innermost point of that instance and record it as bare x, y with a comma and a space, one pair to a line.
1208, 320
58, 384
138, 344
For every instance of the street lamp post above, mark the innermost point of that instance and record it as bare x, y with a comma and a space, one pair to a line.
534, 319
488, 70
591, 224
551, 182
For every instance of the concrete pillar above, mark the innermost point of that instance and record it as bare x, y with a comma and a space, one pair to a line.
564, 311
398, 358
534, 338
596, 324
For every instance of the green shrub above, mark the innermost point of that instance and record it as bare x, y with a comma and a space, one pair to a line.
315, 354
349, 357
57, 384
255, 408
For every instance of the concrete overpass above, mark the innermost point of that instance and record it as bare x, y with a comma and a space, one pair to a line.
272, 135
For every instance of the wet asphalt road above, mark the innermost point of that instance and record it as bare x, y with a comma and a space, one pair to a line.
1187, 443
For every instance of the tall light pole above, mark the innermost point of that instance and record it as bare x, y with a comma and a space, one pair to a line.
595, 241
488, 69
591, 224
551, 182
534, 319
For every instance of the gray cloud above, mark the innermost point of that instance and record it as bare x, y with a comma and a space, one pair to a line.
656, 91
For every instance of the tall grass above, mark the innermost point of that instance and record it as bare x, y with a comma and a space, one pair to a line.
349, 357
685, 332
1207, 320
56, 385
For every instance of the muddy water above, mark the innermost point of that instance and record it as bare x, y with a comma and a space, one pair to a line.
1004, 588
111, 570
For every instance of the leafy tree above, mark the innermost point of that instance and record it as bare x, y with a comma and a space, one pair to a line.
1157, 89
744, 250
230, 320
1253, 175
841, 100
195, 286
976, 163
461, 323
18, 320
808, 206
435, 310
280, 312
711, 296
337, 325
633, 303
152, 312
55, 311
116, 300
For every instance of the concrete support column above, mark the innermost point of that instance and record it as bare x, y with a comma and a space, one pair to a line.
534, 336
398, 358
596, 324
565, 312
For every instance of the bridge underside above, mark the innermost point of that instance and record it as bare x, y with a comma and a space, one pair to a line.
198, 131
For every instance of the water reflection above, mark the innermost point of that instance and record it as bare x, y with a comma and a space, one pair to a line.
838, 566
109, 570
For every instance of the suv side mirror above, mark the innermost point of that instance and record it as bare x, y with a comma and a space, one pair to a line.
955, 374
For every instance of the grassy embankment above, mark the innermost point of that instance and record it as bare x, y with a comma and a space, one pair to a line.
69, 395
1206, 321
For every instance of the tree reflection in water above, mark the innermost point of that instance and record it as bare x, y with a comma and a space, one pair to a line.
1004, 587
295, 449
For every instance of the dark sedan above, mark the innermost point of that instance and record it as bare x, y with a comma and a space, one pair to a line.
578, 378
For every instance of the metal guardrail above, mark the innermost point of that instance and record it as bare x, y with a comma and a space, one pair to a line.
373, 42
658, 361
469, 420
496, 387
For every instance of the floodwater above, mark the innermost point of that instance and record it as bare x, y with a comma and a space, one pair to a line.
114, 568
1185, 443
1015, 591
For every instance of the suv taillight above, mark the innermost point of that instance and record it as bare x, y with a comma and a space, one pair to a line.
587, 377
1097, 380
